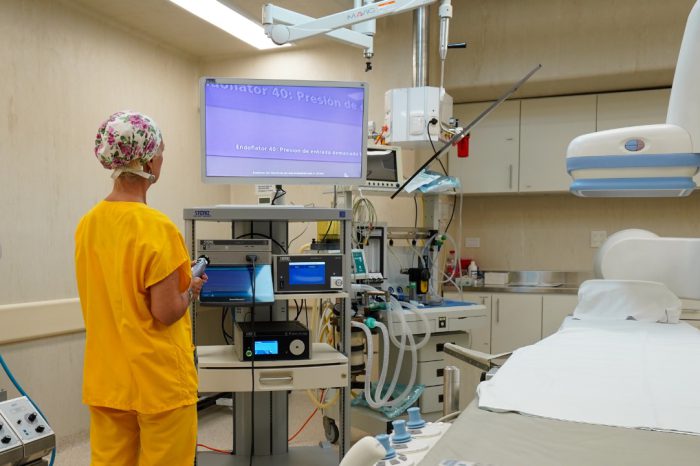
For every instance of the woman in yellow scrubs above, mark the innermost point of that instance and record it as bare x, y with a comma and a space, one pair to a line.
135, 286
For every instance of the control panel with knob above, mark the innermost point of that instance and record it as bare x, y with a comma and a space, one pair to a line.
10, 446
297, 347
25, 429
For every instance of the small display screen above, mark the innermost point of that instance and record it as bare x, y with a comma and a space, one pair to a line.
233, 284
381, 165
307, 273
359, 260
266, 347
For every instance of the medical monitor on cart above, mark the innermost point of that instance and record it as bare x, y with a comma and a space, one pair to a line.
283, 132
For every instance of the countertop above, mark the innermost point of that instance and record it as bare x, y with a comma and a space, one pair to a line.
566, 288
570, 282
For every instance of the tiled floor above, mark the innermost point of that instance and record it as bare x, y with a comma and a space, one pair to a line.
215, 429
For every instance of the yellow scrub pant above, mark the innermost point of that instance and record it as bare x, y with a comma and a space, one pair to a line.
131, 439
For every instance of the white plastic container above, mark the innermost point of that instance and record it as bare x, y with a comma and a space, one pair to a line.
473, 271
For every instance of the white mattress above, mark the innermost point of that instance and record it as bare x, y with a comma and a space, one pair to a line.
616, 373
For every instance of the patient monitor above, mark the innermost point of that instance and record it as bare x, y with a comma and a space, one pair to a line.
642, 255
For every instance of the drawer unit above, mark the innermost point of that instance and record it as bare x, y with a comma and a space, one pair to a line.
431, 373
434, 350
452, 317
430, 367
431, 400
221, 371
270, 380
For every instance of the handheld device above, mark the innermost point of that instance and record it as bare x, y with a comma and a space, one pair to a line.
200, 266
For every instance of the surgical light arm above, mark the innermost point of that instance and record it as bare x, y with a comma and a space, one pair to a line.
273, 13
297, 27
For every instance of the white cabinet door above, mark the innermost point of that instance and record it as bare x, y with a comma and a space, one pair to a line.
547, 126
621, 109
481, 337
516, 321
554, 309
492, 165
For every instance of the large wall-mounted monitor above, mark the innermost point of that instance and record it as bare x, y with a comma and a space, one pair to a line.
283, 132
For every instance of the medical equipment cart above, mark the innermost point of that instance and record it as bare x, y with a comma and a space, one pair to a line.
221, 371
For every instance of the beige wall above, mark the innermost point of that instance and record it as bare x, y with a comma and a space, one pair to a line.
552, 232
63, 72
584, 46
50, 371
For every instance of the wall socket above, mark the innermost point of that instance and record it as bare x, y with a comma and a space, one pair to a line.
472, 242
598, 237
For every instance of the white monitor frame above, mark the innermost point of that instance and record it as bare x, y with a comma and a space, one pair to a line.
283, 180
372, 183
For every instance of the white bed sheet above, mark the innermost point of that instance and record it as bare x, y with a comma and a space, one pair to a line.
617, 373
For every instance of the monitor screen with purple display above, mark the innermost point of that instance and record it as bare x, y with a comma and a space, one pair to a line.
283, 132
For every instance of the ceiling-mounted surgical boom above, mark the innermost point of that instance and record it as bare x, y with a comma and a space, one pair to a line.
284, 26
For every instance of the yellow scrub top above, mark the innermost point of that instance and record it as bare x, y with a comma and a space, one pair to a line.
132, 361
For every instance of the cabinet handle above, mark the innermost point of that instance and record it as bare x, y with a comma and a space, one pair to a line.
269, 380
510, 176
498, 310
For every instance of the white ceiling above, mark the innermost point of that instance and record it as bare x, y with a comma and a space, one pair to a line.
167, 23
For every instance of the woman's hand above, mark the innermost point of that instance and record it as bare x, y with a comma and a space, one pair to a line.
196, 285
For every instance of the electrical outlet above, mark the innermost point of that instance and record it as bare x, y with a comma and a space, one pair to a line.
598, 237
472, 242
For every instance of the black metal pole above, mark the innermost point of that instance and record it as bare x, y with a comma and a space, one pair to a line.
468, 128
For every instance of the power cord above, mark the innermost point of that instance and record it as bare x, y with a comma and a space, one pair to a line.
252, 258
227, 336
434, 121
279, 192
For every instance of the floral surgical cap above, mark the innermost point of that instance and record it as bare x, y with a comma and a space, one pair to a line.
124, 137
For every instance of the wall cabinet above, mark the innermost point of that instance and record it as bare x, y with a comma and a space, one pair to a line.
620, 109
521, 146
547, 126
492, 165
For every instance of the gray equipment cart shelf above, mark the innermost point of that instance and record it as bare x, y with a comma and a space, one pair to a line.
271, 409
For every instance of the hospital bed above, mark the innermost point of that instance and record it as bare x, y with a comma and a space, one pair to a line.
599, 391
513, 438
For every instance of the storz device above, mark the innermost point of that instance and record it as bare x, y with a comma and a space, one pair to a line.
308, 273
274, 341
